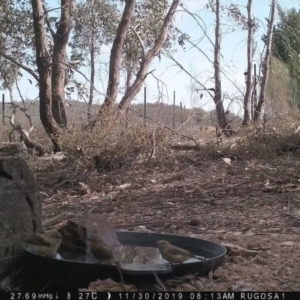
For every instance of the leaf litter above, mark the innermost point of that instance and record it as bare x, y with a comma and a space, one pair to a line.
224, 201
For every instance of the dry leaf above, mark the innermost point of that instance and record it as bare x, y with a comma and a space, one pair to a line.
124, 186
227, 160
85, 186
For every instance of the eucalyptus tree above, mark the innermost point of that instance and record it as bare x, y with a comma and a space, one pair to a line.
249, 83
151, 31
147, 21
43, 48
150, 23
96, 22
36, 34
15, 42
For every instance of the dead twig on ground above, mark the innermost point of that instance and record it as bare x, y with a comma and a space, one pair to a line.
287, 262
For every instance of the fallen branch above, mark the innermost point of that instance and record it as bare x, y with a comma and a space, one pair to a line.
29, 143
54, 220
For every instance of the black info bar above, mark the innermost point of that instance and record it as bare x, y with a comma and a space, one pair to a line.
150, 295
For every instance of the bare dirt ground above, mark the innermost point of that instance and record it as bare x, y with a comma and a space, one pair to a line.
253, 204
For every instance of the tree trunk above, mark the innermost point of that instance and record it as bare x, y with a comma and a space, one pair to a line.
116, 55
92, 79
11, 96
254, 94
223, 124
44, 69
142, 73
247, 98
266, 64
59, 62
127, 85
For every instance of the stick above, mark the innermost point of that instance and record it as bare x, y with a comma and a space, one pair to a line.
284, 264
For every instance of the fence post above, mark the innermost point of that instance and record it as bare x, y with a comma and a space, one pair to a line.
145, 106
3, 109
174, 110
181, 116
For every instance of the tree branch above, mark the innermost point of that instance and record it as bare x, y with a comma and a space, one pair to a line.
140, 41
13, 60
142, 73
48, 23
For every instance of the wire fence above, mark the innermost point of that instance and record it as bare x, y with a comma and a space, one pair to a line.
174, 115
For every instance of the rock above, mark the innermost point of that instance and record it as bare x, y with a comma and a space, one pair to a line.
20, 208
194, 222
219, 273
260, 260
75, 232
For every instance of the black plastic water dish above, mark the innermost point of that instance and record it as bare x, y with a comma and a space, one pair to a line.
212, 252
83, 273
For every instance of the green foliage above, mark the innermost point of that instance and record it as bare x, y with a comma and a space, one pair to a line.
16, 39
279, 95
148, 18
286, 44
287, 35
95, 25
98, 18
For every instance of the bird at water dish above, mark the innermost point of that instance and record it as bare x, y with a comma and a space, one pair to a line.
101, 251
46, 244
173, 254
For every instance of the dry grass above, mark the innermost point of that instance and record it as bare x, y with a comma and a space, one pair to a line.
116, 145
113, 146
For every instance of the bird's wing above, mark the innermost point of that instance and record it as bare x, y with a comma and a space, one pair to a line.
174, 250
39, 240
102, 247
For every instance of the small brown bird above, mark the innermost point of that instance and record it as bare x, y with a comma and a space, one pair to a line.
45, 244
101, 251
173, 254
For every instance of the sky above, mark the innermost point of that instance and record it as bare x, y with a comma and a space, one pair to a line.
171, 78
